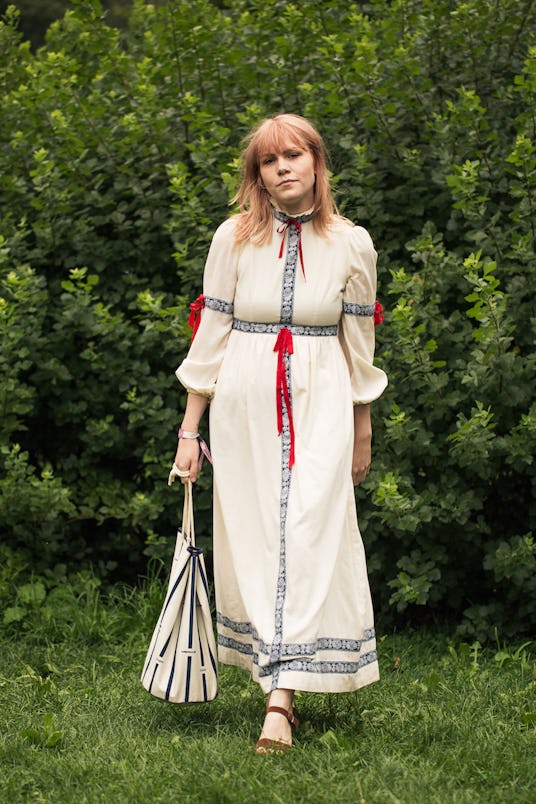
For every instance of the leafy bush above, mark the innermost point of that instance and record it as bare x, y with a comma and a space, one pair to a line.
118, 152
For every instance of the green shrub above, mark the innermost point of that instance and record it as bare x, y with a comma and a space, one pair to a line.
118, 155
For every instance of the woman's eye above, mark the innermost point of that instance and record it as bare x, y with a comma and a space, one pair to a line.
268, 160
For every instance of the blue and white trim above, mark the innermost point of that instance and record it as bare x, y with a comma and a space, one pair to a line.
357, 309
304, 666
219, 305
296, 649
343, 656
295, 329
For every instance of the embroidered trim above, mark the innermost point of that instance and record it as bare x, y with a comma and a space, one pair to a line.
289, 277
305, 666
237, 627
298, 665
286, 477
357, 309
295, 329
219, 305
233, 644
283, 217
292, 648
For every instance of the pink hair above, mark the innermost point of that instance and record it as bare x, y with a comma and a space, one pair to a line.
273, 135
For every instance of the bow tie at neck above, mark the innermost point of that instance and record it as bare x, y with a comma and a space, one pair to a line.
288, 222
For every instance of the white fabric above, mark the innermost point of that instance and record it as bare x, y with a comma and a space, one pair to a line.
292, 594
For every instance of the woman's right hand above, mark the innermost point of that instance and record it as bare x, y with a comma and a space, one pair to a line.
187, 458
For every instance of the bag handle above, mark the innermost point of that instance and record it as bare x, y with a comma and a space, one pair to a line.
188, 530
188, 511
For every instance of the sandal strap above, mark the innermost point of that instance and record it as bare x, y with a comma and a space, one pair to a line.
290, 714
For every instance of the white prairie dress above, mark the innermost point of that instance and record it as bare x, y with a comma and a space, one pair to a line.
286, 344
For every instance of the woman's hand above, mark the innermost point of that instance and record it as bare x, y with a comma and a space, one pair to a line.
188, 449
361, 459
362, 455
187, 458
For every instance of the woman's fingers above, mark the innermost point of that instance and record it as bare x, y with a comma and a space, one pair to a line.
358, 475
187, 458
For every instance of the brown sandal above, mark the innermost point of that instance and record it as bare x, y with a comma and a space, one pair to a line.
266, 746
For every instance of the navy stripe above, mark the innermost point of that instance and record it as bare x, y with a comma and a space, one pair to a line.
203, 669
175, 585
170, 680
166, 645
154, 674
188, 678
192, 604
203, 577
212, 660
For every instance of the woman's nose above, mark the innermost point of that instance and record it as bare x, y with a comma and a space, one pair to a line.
282, 166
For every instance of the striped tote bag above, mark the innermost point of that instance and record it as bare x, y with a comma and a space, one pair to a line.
181, 665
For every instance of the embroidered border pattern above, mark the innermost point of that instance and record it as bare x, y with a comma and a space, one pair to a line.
298, 665
304, 666
237, 627
239, 647
289, 276
219, 305
295, 329
283, 217
292, 648
357, 309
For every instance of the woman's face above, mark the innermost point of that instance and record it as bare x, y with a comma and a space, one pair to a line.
289, 177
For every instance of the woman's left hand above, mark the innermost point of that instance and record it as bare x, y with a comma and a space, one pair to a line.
362, 455
361, 459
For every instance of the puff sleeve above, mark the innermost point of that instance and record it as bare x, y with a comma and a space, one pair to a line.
356, 332
198, 372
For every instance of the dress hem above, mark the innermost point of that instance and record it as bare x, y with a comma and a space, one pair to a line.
304, 682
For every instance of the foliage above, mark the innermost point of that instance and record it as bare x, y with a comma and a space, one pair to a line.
35, 18
118, 155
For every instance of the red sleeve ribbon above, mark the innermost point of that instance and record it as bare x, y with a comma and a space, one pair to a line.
194, 319
378, 313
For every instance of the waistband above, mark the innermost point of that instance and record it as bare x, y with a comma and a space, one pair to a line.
295, 329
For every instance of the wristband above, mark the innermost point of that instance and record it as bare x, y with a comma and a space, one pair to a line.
186, 434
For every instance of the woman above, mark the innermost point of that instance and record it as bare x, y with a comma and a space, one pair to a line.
285, 350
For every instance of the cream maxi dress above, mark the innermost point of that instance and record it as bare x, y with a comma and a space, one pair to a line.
292, 594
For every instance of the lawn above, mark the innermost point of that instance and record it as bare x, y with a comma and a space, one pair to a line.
448, 722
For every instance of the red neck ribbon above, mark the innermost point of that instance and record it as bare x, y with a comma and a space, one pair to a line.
283, 346
194, 319
282, 231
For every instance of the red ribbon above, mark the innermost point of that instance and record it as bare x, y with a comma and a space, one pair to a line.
284, 346
282, 231
378, 313
194, 319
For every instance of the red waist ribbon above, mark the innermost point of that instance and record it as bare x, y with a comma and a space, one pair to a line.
196, 307
284, 346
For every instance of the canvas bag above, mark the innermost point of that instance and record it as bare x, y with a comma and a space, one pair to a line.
181, 664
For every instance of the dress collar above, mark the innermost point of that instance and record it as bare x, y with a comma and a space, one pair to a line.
305, 217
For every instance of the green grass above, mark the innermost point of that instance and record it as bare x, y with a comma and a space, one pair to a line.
447, 723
